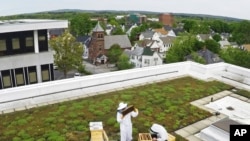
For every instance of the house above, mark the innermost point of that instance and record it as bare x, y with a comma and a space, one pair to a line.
130, 29
148, 34
203, 37
171, 33
100, 44
246, 47
161, 32
207, 55
144, 57
225, 36
24, 51
224, 44
85, 40
150, 58
166, 43
109, 29
135, 56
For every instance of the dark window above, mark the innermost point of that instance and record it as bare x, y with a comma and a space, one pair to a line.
45, 73
52, 72
32, 74
6, 78
42, 40
19, 75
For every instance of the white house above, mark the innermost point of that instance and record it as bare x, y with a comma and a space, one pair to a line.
165, 43
135, 56
171, 33
224, 44
130, 29
148, 34
150, 58
203, 37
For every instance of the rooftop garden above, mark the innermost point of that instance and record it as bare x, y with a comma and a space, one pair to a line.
166, 103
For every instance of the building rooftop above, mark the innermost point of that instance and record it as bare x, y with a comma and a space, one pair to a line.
31, 24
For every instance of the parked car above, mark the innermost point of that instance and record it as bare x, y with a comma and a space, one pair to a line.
77, 74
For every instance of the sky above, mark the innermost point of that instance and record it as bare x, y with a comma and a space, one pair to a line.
229, 8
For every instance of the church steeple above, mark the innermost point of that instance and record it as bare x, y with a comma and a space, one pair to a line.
98, 28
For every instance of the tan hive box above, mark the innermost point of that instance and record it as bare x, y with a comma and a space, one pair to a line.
144, 137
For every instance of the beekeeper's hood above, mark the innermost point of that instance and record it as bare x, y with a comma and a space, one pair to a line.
122, 105
153, 129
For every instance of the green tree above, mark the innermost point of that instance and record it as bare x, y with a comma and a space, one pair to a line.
213, 46
182, 47
68, 52
236, 56
80, 24
217, 37
220, 26
123, 62
113, 53
118, 31
241, 32
197, 58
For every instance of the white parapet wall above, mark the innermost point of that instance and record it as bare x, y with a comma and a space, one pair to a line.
55, 91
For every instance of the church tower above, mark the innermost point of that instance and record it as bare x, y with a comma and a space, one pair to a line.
96, 46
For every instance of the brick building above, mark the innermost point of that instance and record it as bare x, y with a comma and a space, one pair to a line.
166, 19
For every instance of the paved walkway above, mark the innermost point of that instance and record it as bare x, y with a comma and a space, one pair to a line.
189, 132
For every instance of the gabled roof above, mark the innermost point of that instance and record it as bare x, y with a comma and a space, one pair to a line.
167, 40
122, 40
144, 43
148, 34
147, 51
209, 56
98, 28
167, 27
204, 36
136, 52
161, 30
177, 31
84, 39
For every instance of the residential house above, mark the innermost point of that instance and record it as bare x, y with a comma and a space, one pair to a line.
130, 29
203, 37
234, 45
207, 55
161, 32
224, 44
135, 56
166, 43
148, 34
109, 29
171, 33
225, 36
85, 40
25, 55
246, 47
150, 58
144, 57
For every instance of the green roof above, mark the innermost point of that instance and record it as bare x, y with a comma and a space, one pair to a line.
147, 51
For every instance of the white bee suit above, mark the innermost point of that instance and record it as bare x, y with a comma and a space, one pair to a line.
162, 134
126, 125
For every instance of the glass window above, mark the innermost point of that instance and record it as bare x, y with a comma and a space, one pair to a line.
41, 38
6, 78
19, 79
15, 43
29, 42
146, 61
32, 76
45, 75
2, 45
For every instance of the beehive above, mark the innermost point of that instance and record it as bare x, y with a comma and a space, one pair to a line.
144, 137
171, 137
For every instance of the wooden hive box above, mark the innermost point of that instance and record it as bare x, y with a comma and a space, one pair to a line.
144, 137
128, 110
171, 137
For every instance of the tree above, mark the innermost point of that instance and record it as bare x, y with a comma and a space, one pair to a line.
80, 24
68, 52
113, 53
182, 47
213, 46
196, 58
118, 31
217, 37
236, 56
241, 32
123, 62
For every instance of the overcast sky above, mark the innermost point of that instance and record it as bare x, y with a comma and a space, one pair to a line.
229, 8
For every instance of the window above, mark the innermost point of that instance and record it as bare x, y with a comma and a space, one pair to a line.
32, 75
15, 43
29, 42
6, 78
19, 77
45, 75
99, 35
2, 45
155, 59
146, 61
41, 38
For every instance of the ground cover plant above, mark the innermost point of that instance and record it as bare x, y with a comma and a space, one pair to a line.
166, 103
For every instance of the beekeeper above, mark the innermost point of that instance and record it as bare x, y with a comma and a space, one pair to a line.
125, 122
158, 132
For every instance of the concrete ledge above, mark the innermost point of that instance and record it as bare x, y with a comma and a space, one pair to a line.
182, 133
193, 138
8, 111
20, 109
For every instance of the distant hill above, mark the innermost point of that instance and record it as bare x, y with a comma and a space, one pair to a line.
121, 12
146, 12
